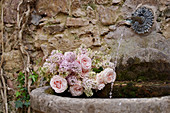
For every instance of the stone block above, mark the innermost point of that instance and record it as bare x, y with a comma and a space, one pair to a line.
108, 15
52, 7
76, 22
13, 61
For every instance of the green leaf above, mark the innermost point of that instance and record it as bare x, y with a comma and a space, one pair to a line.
98, 70
24, 94
21, 78
18, 104
27, 103
33, 76
28, 97
18, 93
19, 86
22, 89
21, 74
30, 75
24, 98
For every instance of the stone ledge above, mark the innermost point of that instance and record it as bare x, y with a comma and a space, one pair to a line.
47, 103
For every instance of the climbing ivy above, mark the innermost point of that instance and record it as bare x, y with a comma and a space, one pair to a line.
22, 95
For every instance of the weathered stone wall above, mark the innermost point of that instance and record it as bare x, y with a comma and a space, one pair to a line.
66, 24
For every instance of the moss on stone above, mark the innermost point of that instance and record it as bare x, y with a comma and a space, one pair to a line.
146, 71
50, 91
131, 89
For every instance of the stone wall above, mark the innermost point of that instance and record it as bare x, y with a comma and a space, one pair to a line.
66, 24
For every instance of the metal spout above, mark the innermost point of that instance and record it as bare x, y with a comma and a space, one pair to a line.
140, 19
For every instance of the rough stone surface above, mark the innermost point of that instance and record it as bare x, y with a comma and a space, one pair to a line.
10, 11
116, 1
64, 44
166, 30
52, 7
1, 106
108, 15
130, 6
76, 22
147, 48
86, 2
102, 2
46, 49
35, 18
76, 9
0, 43
91, 13
75, 4
78, 13
53, 29
166, 22
13, 61
47, 103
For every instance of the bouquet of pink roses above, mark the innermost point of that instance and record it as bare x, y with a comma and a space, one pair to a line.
81, 71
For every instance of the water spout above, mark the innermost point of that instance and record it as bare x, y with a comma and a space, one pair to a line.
139, 19
117, 54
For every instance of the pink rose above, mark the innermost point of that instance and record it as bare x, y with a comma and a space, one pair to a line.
77, 89
69, 56
85, 62
75, 67
55, 58
109, 75
64, 66
58, 83
72, 80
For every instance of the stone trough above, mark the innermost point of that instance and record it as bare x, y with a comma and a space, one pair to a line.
48, 103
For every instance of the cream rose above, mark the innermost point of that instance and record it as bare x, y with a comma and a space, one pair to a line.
58, 83
101, 86
99, 78
100, 81
109, 75
85, 62
77, 89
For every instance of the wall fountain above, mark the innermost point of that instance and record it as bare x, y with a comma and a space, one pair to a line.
127, 96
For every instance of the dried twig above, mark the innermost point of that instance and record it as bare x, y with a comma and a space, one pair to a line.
4, 95
5, 91
18, 17
22, 48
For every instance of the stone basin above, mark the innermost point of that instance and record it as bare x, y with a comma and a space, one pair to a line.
47, 103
